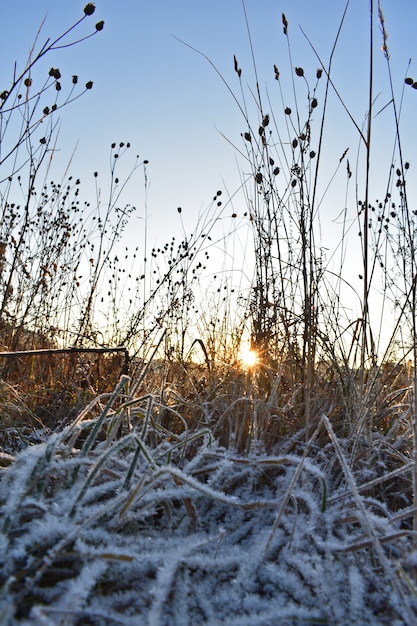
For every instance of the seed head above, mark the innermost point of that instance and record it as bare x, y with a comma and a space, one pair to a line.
74, 79
285, 24
287, 111
409, 80
299, 71
276, 72
314, 103
236, 66
89, 8
100, 25
28, 82
89, 85
384, 46
319, 73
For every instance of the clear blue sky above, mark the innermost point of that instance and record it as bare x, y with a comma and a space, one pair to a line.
170, 104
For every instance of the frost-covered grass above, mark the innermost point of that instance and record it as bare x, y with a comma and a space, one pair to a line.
117, 520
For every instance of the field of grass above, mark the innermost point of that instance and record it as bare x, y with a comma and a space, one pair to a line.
148, 474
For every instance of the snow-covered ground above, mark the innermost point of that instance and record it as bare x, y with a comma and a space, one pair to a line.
149, 529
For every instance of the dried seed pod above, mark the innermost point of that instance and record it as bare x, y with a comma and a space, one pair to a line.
409, 80
299, 71
294, 143
319, 73
285, 24
247, 137
28, 82
89, 85
314, 103
265, 121
259, 178
100, 25
236, 66
276, 72
287, 111
89, 8
74, 79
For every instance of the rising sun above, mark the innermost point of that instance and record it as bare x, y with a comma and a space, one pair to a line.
248, 357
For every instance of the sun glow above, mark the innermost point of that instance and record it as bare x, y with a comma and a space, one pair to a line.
248, 357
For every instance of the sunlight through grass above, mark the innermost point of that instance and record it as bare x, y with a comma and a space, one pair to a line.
248, 358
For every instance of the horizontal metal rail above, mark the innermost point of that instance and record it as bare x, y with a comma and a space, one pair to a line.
42, 351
